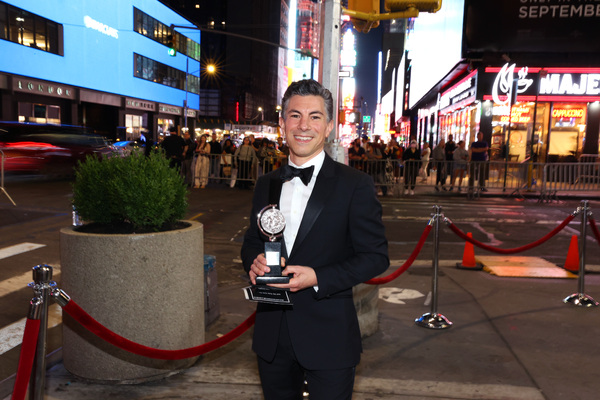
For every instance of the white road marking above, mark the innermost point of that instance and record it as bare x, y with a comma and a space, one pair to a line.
11, 336
16, 283
18, 249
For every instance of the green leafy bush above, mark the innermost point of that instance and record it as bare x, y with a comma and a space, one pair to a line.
129, 194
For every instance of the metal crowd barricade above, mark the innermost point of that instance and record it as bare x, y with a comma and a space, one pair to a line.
2, 158
572, 177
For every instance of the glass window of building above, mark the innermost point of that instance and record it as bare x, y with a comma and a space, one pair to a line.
27, 29
153, 29
155, 71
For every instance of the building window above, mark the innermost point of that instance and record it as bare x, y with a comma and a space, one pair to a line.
151, 70
27, 29
153, 29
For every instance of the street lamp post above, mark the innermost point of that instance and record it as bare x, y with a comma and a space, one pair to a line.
262, 115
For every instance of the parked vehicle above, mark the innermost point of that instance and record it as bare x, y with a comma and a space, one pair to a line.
48, 149
127, 147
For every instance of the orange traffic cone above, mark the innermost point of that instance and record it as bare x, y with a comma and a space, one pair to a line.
468, 261
572, 261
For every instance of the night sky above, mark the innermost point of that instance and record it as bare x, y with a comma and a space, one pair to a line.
368, 45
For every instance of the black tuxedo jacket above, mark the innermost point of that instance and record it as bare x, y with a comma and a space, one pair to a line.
342, 237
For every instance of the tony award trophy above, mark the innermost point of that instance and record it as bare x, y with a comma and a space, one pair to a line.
271, 223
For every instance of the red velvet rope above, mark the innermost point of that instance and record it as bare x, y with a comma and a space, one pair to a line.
595, 229
106, 334
30, 337
464, 236
407, 263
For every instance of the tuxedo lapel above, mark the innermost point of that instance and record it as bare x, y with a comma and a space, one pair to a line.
324, 186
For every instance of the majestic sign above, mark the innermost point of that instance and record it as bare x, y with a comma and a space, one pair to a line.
574, 84
548, 84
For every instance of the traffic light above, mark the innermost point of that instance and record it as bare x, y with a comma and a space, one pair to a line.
353, 117
171, 45
430, 6
366, 7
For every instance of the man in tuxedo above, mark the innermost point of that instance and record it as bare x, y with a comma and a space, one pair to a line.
334, 239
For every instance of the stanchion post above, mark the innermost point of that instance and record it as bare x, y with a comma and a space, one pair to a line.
580, 298
42, 286
434, 320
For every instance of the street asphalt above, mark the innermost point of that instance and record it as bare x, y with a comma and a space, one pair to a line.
511, 338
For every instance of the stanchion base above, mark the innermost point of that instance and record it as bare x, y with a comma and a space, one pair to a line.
433, 321
477, 267
581, 300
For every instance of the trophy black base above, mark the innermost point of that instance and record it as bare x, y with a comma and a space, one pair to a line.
266, 294
265, 280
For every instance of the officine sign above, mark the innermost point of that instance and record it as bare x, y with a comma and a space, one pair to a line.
43, 88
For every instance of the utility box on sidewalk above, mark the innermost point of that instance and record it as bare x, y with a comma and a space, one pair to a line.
211, 302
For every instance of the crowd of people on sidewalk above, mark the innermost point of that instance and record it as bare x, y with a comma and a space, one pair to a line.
200, 160
388, 164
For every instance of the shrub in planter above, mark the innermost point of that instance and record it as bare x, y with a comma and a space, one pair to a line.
133, 194
132, 268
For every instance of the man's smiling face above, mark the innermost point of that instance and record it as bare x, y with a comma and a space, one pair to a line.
305, 127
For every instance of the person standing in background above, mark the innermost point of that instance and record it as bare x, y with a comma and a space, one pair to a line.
202, 163
411, 159
479, 158
215, 153
187, 170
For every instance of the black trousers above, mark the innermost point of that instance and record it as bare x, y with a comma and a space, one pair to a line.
283, 378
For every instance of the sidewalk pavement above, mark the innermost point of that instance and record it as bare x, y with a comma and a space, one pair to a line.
512, 338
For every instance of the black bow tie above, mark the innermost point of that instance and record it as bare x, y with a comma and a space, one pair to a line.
288, 173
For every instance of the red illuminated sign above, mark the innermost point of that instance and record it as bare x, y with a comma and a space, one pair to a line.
568, 113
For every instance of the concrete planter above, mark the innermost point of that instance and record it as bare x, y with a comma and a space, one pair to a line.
366, 298
148, 288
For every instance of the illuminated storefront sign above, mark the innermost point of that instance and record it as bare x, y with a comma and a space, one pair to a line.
519, 115
555, 84
568, 113
43, 88
91, 23
459, 95
504, 81
574, 84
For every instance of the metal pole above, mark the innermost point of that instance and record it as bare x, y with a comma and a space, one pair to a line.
580, 298
185, 104
42, 285
433, 320
329, 61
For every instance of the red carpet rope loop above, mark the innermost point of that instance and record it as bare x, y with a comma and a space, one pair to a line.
477, 243
595, 229
30, 337
109, 336
407, 263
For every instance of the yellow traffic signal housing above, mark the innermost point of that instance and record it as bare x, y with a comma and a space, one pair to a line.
430, 6
364, 7
365, 15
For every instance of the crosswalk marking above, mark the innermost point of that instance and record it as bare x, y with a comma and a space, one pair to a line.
16, 283
18, 249
12, 335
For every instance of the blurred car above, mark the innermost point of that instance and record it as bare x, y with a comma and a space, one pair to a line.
128, 147
48, 149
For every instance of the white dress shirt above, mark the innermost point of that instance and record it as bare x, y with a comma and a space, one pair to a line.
294, 197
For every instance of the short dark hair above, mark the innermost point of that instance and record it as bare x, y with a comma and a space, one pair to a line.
308, 87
